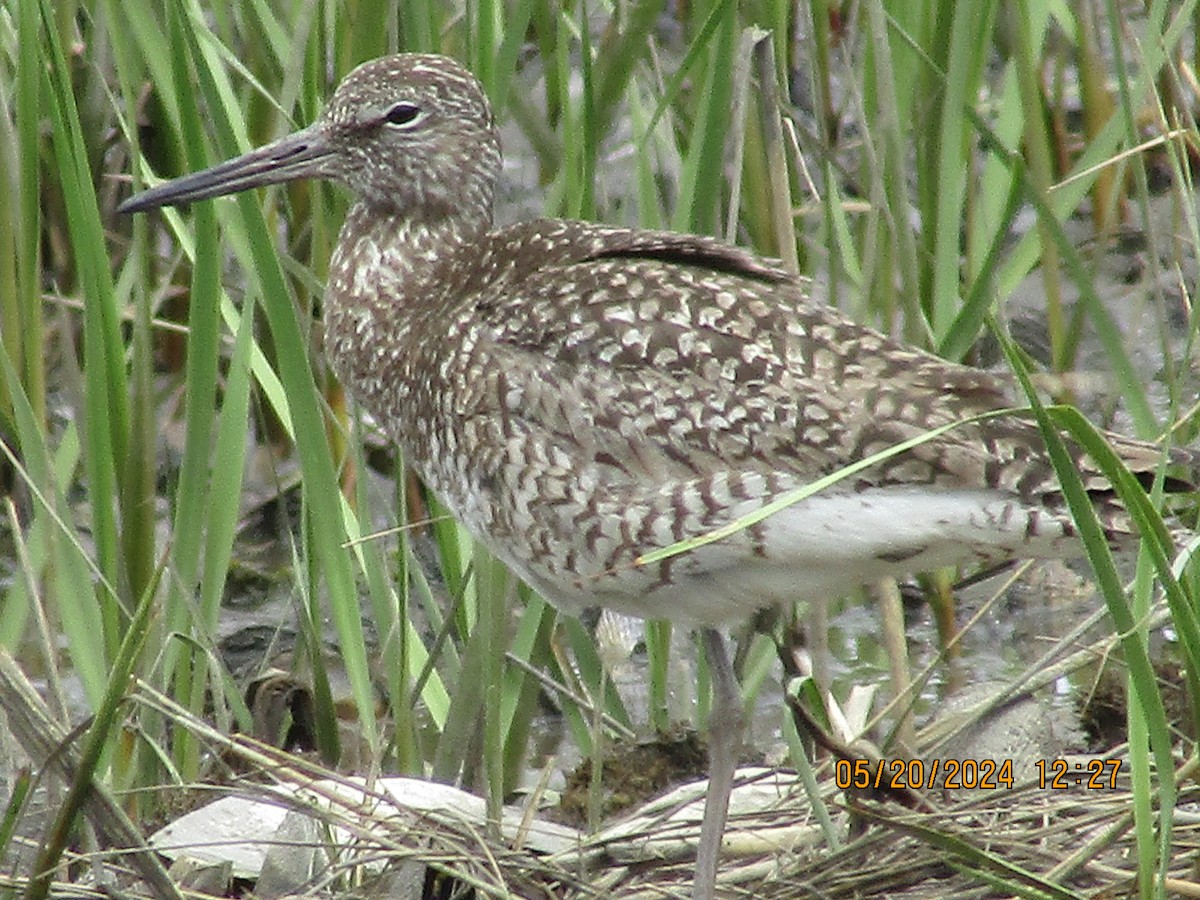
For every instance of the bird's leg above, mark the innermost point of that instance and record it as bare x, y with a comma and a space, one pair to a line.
725, 723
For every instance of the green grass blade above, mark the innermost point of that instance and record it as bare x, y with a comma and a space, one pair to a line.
1156, 830
94, 748
107, 422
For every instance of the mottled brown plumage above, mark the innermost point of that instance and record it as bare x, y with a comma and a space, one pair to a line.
580, 395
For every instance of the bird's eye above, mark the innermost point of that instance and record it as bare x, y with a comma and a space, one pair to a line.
402, 114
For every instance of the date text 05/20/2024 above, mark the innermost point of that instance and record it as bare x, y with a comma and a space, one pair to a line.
1059, 773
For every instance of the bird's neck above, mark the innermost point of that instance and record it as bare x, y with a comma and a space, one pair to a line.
390, 283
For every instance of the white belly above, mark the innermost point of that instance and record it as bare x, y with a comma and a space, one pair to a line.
821, 547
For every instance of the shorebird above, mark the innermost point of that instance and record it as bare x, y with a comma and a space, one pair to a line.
581, 395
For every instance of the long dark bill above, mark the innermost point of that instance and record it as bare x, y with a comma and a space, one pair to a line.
303, 154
